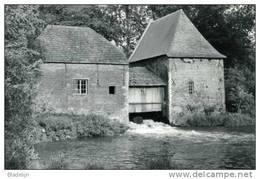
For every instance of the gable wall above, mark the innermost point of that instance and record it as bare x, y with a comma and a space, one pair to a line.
58, 84
208, 78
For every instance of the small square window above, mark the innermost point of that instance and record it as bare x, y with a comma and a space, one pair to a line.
112, 89
191, 87
82, 86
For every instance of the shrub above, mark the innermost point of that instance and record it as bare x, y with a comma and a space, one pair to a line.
192, 119
58, 162
55, 122
55, 127
209, 109
94, 125
19, 153
199, 119
216, 119
240, 90
19, 149
63, 126
238, 119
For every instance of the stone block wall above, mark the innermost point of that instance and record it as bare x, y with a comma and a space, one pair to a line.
208, 78
207, 75
57, 89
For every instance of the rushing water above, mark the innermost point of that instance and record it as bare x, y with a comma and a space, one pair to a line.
159, 146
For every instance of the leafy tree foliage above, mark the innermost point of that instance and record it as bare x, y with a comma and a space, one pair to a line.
21, 70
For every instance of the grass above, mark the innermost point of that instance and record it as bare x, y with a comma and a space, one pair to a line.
164, 163
92, 166
160, 163
57, 162
60, 162
201, 119
237, 119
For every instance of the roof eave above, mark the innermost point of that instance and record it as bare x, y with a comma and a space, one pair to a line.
83, 62
149, 85
220, 56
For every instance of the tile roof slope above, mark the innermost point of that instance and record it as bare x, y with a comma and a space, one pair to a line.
140, 76
78, 45
173, 35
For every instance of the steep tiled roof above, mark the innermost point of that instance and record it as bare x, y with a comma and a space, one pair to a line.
173, 35
77, 45
140, 76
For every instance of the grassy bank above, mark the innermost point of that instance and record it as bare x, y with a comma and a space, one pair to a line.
201, 119
54, 127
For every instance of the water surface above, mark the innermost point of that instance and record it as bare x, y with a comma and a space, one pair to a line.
159, 146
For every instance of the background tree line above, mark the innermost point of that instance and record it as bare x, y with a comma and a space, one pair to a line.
229, 28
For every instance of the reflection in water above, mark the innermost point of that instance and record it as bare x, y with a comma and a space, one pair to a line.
159, 146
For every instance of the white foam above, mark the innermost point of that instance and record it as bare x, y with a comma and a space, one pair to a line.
159, 129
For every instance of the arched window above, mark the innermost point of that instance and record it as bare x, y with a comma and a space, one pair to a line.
191, 87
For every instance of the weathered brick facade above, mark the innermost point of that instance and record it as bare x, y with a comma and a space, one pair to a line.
57, 89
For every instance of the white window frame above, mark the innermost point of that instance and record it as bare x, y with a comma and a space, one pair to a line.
78, 87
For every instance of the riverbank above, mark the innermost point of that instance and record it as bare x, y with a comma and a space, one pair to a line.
56, 127
154, 145
201, 119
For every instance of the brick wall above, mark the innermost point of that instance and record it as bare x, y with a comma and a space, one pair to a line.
57, 89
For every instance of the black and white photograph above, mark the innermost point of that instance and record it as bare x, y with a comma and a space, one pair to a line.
129, 87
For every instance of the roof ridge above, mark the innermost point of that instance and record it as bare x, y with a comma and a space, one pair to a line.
68, 26
175, 27
173, 35
183, 15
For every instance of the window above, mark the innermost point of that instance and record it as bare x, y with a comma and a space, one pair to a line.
82, 86
191, 87
112, 89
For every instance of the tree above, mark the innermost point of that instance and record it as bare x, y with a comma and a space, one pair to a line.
22, 25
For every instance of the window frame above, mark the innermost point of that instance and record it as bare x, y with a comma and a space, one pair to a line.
78, 91
191, 87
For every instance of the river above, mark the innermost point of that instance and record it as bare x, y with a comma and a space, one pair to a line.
154, 145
